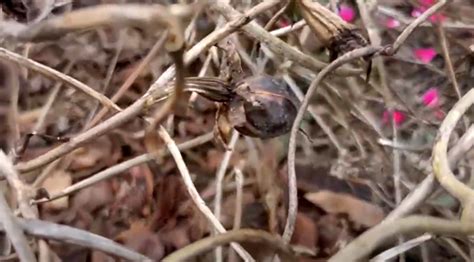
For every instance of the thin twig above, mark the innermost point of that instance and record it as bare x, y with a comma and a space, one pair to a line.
56, 75
239, 188
14, 231
426, 187
441, 167
51, 98
411, 27
193, 193
67, 234
219, 181
401, 248
449, 67
241, 235
276, 45
131, 79
137, 107
122, 167
293, 197
362, 246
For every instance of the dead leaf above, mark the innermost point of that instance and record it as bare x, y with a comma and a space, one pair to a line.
360, 212
306, 232
94, 197
139, 238
56, 182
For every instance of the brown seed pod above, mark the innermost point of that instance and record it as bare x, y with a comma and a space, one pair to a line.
262, 107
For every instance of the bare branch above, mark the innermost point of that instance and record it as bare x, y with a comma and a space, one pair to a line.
362, 246
293, 198
241, 235
276, 45
122, 167
56, 75
14, 231
194, 194
441, 167
67, 234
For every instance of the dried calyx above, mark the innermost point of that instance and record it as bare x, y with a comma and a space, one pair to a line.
259, 106
336, 34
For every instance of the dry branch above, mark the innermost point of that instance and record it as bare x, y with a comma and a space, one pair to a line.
194, 194
361, 247
56, 75
67, 234
293, 197
441, 167
154, 91
241, 235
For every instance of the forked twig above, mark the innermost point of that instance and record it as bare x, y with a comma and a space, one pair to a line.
241, 235
441, 167
67, 234
293, 197
56, 75
362, 246
194, 194
14, 231
137, 107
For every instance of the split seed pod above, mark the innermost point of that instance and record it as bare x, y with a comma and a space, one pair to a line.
262, 107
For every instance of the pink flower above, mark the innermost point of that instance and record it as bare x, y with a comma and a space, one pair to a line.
392, 23
431, 97
437, 18
417, 12
425, 55
439, 114
347, 13
427, 2
397, 116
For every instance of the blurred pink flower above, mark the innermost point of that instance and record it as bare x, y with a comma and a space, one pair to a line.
347, 13
417, 12
439, 114
425, 55
397, 116
427, 2
435, 18
431, 97
392, 23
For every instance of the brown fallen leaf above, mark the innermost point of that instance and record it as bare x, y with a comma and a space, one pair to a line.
306, 232
141, 239
56, 182
359, 211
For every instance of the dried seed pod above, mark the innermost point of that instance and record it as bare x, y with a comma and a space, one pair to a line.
337, 35
262, 107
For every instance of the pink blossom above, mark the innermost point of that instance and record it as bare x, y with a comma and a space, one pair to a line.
431, 97
425, 55
439, 114
392, 23
417, 12
397, 116
347, 13
427, 2
437, 18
